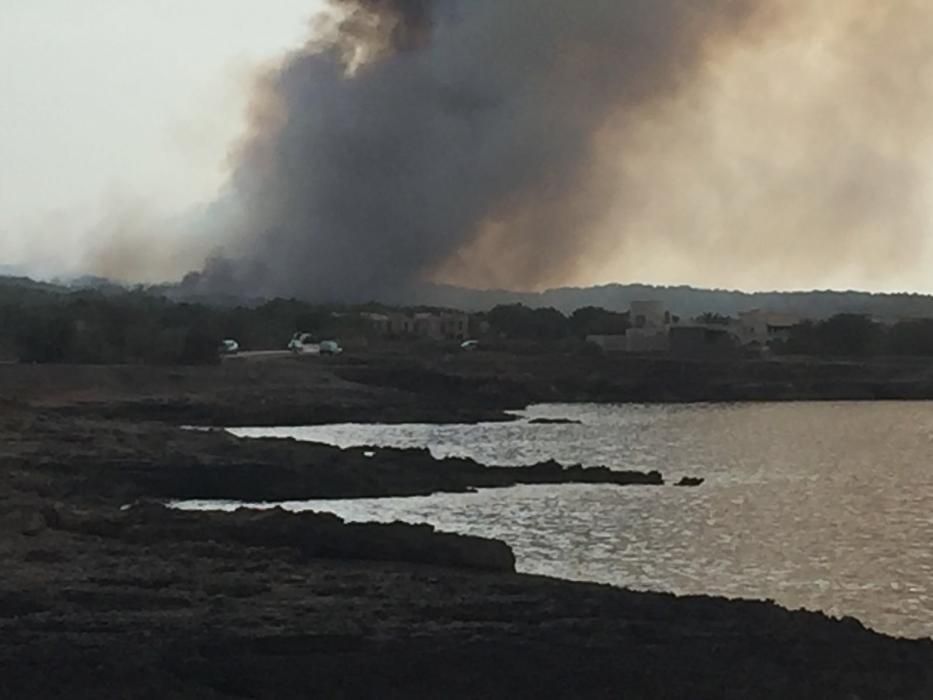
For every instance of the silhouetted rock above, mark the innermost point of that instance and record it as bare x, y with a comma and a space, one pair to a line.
148, 603
552, 472
123, 462
554, 421
690, 481
313, 535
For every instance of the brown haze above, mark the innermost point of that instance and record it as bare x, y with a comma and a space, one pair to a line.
523, 143
805, 157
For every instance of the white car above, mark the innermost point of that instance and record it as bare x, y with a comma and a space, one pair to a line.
331, 347
229, 346
304, 344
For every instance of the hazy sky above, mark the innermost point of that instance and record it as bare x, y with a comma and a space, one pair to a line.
802, 156
110, 103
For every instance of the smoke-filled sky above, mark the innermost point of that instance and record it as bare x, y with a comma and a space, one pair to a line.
116, 115
522, 144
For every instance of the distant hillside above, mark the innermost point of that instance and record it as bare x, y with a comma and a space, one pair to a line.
684, 301
24, 285
688, 301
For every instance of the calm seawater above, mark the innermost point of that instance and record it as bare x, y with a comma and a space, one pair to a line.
819, 506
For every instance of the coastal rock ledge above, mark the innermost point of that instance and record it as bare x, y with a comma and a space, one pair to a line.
312, 535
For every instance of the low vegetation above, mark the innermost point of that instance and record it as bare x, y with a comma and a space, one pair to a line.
89, 326
44, 323
852, 335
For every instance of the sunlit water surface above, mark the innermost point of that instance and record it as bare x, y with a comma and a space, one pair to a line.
820, 506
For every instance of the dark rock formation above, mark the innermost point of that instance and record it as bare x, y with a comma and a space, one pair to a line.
313, 535
690, 481
122, 462
554, 421
144, 611
552, 472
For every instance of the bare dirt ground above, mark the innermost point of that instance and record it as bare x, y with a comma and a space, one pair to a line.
437, 384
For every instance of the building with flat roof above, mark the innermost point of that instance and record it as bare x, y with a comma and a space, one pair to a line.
762, 327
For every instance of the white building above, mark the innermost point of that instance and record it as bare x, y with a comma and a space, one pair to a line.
647, 340
763, 327
651, 324
649, 314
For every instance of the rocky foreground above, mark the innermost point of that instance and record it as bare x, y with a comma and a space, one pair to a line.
106, 593
146, 603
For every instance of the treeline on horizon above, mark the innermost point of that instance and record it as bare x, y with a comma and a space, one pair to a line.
842, 335
42, 324
854, 335
136, 327
39, 323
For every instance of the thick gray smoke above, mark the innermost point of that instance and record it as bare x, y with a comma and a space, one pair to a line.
410, 135
520, 143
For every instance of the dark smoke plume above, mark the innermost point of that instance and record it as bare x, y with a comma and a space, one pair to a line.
520, 143
408, 135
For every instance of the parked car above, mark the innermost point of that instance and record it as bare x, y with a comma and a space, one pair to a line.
304, 344
228, 346
331, 347
469, 345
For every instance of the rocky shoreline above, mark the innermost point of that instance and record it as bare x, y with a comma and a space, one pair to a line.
117, 463
107, 593
309, 535
193, 605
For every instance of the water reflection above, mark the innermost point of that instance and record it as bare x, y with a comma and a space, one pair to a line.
822, 506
